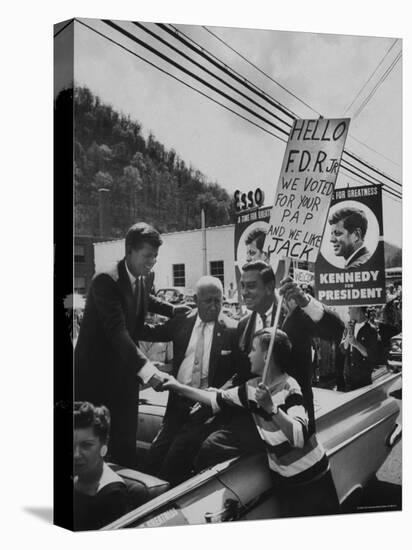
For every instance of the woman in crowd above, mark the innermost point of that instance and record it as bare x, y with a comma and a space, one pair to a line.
100, 495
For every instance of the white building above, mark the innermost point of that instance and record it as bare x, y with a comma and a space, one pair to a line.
183, 257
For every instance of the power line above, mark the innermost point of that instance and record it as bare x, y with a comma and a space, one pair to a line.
294, 115
207, 71
193, 75
260, 70
179, 80
248, 61
205, 95
372, 168
363, 172
346, 175
211, 58
355, 158
202, 81
370, 77
386, 189
380, 81
220, 91
345, 151
374, 150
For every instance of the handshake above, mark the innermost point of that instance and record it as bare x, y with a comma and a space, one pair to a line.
160, 380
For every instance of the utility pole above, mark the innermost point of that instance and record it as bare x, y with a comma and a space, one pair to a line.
204, 248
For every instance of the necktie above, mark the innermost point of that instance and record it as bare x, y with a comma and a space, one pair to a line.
198, 359
137, 294
263, 317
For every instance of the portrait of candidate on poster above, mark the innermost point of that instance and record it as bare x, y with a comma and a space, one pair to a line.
351, 235
250, 244
350, 270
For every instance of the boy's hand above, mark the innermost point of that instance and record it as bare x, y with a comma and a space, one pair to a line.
263, 398
170, 383
156, 381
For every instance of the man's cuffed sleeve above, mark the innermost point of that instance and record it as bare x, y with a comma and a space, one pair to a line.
314, 310
147, 371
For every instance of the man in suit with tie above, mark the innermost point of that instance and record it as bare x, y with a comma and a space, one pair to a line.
310, 318
359, 346
204, 355
107, 359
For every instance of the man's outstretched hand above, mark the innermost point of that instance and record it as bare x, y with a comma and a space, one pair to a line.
181, 309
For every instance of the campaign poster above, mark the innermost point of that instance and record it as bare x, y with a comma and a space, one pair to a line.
305, 187
303, 276
350, 270
250, 232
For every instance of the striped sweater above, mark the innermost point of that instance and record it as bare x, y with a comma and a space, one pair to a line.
299, 460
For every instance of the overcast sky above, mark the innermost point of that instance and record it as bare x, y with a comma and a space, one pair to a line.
325, 71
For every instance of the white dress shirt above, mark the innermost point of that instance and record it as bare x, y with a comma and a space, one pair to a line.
132, 278
259, 322
184, 374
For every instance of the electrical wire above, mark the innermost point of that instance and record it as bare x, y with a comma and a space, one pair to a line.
194, 46
294, 115
191, 74
371, 76
179, 80
374, 150
389, 190
261, 71
379, 83
207, 71
372, 168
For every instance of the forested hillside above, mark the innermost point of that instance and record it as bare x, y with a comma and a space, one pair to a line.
146, 181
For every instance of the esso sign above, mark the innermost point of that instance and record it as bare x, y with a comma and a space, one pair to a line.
252, 199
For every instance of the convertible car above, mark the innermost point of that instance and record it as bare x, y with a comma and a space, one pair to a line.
357, 428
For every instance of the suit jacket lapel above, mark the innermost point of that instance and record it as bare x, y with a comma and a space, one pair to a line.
245, 340
147, 284
127, 291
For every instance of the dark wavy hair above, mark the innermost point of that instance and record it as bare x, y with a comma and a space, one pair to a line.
86, 415
352, 218
141, 233
282, 347
257, 235
266, 272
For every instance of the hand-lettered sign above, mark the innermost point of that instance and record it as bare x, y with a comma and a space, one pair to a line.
304, 191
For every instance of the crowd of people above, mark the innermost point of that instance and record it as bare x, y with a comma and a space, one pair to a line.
228, 394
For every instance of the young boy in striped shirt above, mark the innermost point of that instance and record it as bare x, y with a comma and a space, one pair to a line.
298, 463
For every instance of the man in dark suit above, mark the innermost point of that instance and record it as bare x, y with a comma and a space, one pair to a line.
107, 357
204, 355
359, 347
310, 318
